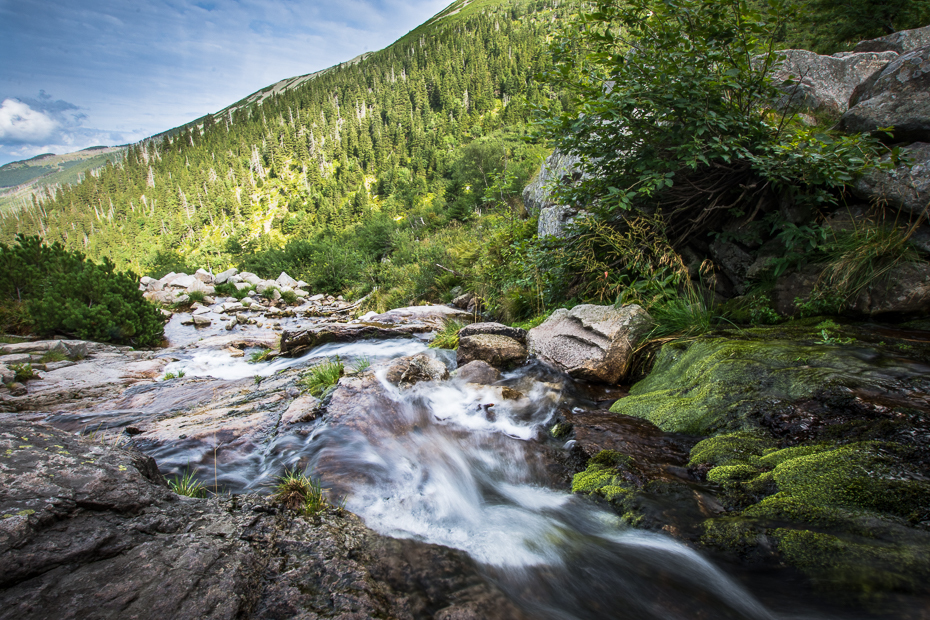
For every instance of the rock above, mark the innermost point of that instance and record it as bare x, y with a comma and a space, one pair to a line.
594, 343
145, 280
223, 277
231, 307
498, 351
251, 278
6, 375
462, 301
17, 388
904, 292
404, 372
168, 277
317, 298
555, 221
242, 285
479, 372
198, 286
824, 83
155, 286
39, 347
264, 285
230, 324
302, 284
204, 276
497, 329
900, 42
303, 340
538, 194
286, 280
201, 310
182, 281
18, 358
734, 261
200, 321
899, 96
432, 315
82, 514
300, 292
906, 187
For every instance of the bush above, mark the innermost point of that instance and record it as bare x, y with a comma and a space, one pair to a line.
64, 292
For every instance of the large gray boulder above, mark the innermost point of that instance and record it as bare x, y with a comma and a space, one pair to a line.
407, 371
554, 221
900, 42
538, 194
906, 187
497, 329
595, 343
497, 350
898, 96
824, 83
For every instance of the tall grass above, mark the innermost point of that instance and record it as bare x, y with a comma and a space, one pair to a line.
186, 485
297, 491
322, 376
448, 336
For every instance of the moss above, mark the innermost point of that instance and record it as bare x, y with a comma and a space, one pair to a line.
734, 535
732, 473
720, 384
601, 477
730, 448
774, 458
560, 430
858, 476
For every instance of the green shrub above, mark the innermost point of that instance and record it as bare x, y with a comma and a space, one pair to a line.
259, 356
322, 376
296, 491
24, 372
197, 296
289, 297
66, 293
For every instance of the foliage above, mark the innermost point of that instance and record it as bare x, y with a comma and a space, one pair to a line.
322, 377
23, 372
297, 491
52, 357
448, 336
843, 23
186, 485
173, 375
228, 289
196, 296
259, 356
66, 293
289, 297
360, 365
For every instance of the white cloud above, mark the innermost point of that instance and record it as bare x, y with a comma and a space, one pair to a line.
20, 124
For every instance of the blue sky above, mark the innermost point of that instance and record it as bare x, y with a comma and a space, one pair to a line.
79, 73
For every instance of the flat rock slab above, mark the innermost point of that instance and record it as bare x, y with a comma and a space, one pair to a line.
300, 341
91, 530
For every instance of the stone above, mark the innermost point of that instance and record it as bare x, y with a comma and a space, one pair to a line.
319, 297
906, 187
898, 96
242, 285
302, 340
478, 372
232, 307
17, 388
264, 285
168, 277
200, 320
224, 276
404, 372
824, 83
300, 292
198, 286
286, 280
18, 358
7, 376
734, 261
538, 193
902, 293
462, 301
155, 285
201, 310
497, 329
594, 343
498, 351
39, 347
204, 276
230, 324
437, 316
145, 280
901, 42
556, 220
182, 281
251, 278
302, 284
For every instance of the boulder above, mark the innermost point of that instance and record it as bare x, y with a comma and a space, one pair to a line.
906, 187
903, 292
498, 351
39, 347
555, 221
404, 372
594, 343
824, 83
286, 280
168, 277
538, 194
182, 281
204, 276
223, 277
303, 340
251, 278
155, 285
494, 328
241, 285
462, 301
898, 96
6, 375
200, 320
197, 286
900, 42
478, 372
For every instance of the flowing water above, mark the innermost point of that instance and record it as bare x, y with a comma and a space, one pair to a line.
458, 465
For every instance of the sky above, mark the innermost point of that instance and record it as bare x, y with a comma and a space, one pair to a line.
80, 73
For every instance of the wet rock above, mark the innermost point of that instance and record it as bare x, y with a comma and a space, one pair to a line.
906, 187
200, 321
903, 292
897, 96
498, 351
497, 329
234, 352
404, 372
301, 341
478, 371
824, 83
590, 342
734, 261
78, 515
900, 42
436, 316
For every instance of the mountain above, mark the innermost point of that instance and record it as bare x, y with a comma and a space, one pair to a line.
407, 138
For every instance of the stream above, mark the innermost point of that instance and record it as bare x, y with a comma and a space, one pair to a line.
449, 463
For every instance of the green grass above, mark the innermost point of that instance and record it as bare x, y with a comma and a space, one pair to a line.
186, 485
289, 297
360, 365
171, 375
296, 491
197, 296
52, 357
269, 292
536, 321
322, 376
682, 316
24, 372
448, 336
228, 289
259, 356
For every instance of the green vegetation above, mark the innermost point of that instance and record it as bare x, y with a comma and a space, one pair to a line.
296, 491
448, 336
322, 377
52, 357
259, 356
23, 372
173, 375
360, 365
186, 485
48, 289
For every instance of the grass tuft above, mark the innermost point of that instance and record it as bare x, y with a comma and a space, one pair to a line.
296, 491
360, 365
186, 485
24, 372
51, 357
197, 296
448, 336
259, 356
322, 376
289, 297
